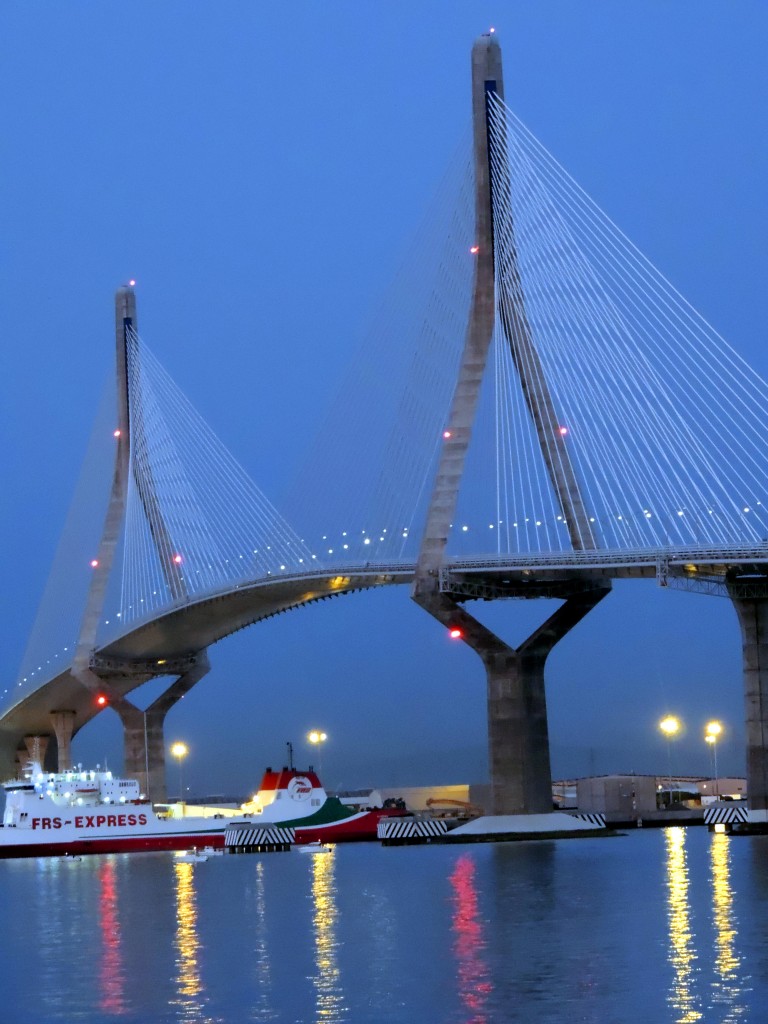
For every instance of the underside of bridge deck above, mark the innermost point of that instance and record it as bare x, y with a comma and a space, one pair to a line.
43, 723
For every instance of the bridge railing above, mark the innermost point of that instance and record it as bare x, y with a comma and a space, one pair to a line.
607, 558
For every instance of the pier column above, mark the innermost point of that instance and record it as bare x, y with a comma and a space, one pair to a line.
518, 733
753, 619
36, 748
63, 723
144, 732
143, 748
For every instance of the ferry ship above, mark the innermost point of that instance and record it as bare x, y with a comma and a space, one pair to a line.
294, 799
77, 812
74, 812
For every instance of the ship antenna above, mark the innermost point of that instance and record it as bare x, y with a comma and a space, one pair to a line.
290, 754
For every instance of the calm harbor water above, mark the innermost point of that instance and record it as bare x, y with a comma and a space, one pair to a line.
660, 926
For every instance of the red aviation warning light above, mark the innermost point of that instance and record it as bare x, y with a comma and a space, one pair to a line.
178, 559
455, 633
94, 563
447, 434
474, 249
101, 700
562, 431
116, 433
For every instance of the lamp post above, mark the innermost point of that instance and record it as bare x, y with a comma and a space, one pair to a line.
180, 751
317, 739
146, 756
670, 726
712, 735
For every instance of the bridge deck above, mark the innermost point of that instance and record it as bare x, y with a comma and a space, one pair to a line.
192, 626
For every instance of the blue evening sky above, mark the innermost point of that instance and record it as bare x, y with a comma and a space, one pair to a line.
257, 167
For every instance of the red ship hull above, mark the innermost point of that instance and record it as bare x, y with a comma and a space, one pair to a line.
116, 844
353, 830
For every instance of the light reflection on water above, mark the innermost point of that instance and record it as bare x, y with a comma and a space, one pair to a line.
111, 968
727, 983
664, 927
189, 987
262, 1008
330, 1008
688, 994
682, 952
469, 947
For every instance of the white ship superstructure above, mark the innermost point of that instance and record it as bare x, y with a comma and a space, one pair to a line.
85, 811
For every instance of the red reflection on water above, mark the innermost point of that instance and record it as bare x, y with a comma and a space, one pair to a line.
111, 978
472, 970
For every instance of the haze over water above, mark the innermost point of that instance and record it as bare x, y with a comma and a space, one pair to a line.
660, 926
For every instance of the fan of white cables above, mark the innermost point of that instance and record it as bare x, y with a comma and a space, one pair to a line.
195, 521
664, 423
363, 490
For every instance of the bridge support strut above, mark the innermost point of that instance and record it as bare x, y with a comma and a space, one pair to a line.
63, 723
753, 619
36, 748
518, 734
143, 730
144, 733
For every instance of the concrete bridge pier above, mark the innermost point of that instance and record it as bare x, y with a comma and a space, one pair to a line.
63, 723
753, 619
144, 731
143, 747
36, 748
518, 733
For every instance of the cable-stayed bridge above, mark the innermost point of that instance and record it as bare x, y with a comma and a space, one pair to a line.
535, 413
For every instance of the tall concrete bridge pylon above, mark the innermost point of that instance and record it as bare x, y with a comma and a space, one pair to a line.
517, 716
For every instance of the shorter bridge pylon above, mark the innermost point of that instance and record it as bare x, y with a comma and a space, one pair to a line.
143, 730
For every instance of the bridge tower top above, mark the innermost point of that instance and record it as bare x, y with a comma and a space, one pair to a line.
498, 306
125, 321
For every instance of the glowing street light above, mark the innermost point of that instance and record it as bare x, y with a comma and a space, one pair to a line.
180, 751
712, 734
670, 726
317, 739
